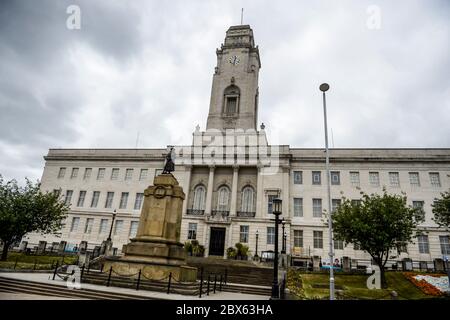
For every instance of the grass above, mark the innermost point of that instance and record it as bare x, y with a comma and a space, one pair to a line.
27, 262
351, 286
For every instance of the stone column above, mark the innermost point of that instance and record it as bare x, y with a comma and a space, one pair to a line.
186, 187
209, 191
234, 187
259, 193
285, 192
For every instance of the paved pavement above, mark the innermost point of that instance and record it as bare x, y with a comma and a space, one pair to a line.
46, 278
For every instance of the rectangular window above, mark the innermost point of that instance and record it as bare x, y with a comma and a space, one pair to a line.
129, 174
318, 239
334, 204
270, 203
356, 246
123, 200
270, 235
414, 179
133, 229
317, 208
354, 178
61, 173
243, 234
356, 202
143, 174
74, 173
81, 198
335, 178
88, 226
298, 177
445, 245
114, 173
103, 226
298, 238
231, 105
138, 201
75, 223
298, 207
374, 179
87, 173
95, 197
57, 192
424, 246
419, 206
101, 174
394, 179
109, 199
68, 198
118, 226
192, 231
434, 179
316, 177
338, 244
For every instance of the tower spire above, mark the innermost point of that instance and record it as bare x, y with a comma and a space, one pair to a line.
242, 16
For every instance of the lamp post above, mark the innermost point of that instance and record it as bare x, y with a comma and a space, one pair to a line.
256, 249
277, 212
324, 87
283, 245
112, 223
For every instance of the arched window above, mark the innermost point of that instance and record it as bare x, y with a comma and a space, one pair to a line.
223, 197
247, 203
199, 198
231, 100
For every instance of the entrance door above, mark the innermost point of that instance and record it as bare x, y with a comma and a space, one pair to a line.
217, 242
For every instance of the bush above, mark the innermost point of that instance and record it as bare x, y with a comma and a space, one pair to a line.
188, 247
231, 253
241, 250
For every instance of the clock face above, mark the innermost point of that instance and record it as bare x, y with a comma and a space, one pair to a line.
234, 60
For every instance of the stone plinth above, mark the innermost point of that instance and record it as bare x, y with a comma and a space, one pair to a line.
156, 250
346, 264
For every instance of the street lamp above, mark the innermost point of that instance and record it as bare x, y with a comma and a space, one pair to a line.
256, 249
324, 87
276, 203
112, 223
283, 246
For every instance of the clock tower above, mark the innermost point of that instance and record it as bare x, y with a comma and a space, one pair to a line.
234, 94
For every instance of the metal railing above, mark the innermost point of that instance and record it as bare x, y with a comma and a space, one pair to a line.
195, 212
246, 214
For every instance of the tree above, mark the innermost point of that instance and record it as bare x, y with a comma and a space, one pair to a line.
378, 224
27, 209
441, 210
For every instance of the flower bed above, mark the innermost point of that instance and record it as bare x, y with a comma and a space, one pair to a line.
431, 284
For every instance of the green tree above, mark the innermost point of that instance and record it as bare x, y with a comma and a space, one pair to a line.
27, 209
378, 224
441, 210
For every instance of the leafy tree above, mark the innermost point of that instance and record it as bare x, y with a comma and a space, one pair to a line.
378, 224
27, 209
441, 210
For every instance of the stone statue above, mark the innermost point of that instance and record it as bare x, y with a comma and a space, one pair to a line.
169, 165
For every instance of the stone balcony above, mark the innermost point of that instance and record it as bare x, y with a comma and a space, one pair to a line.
246, 214
219, 216
195, 212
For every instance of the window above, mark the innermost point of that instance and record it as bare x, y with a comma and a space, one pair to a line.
109, 199
356, 202
356, 246
354, 178
316, 177
87, 173
192, 231
129, 174
243, 234
101, 174
75, 223
133, 229
270, 235
434, 179
317, 208
270, 198
199, 198
374, 179
419, 206
143, 174
424, 247
88, 226
74, 173
298, 207
414, 179
223, 196
335, 178
103, 226
81, 198
298, 238
138, 201
118, 226
248, 200
394, 179
123, 200
61, 173
445, 244
334, 204
114, 173
57, 192
231, 100
338, 244
318, 239
231, 105
68, 198
95, 196
298, 178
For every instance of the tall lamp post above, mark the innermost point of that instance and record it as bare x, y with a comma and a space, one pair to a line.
256, 249
112, 224
277, 212
283, 247
324, 87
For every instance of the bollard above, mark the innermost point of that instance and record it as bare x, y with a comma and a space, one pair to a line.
207, 289
101, 268
82, 272
215, 282
15, 264
168, 285
35, 261
138, 280
220, 283
394, 295
109, 277
56, 268
201, 282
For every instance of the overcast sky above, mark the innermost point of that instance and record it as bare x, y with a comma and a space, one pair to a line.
147, 66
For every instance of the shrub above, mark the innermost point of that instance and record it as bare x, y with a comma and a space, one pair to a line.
231, 253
